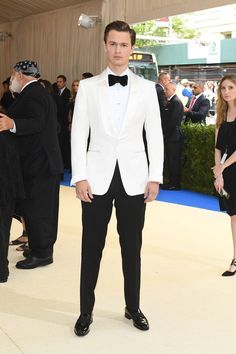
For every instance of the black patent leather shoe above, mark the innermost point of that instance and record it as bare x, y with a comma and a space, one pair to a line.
139, 320
33, 262
82, 325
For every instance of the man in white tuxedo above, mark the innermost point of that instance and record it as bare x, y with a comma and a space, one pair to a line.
114, 108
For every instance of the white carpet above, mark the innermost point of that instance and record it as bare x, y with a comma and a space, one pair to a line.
190, 307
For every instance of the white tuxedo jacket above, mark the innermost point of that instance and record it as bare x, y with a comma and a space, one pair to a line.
107, 146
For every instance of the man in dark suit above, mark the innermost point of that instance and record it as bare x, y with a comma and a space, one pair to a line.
63, 111
197, 106
173, 138
163, 80
32, 118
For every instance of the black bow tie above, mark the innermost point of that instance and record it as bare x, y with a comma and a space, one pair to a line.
113, 79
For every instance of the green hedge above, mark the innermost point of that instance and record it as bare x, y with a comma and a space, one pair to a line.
198, 158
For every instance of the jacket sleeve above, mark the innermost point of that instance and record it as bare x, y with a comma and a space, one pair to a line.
79, 136
200, 115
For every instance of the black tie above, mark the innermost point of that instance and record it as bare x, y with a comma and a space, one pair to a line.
113, 79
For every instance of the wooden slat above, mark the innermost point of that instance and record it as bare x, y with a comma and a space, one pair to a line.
16, 9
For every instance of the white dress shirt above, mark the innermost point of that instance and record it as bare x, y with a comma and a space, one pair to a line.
118, 96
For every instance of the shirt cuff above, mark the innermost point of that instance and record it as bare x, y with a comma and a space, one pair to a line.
13, 130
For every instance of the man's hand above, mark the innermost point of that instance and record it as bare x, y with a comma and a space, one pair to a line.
83, 191
6, 123
151, 191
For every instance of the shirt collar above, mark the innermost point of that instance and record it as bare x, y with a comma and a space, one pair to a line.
199, 95
169, 98
28, 83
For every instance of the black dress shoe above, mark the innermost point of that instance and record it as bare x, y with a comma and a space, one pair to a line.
139, 320
33, 262
82, 325
3, 280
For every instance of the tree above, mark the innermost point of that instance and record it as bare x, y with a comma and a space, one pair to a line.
176, 27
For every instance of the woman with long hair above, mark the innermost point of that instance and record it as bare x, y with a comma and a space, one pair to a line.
74, 90
225, 155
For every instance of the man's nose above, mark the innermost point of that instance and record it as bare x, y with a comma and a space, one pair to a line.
118, 48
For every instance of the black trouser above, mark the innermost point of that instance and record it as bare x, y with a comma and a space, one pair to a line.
6, 213
40, 212
173, 151
130, 213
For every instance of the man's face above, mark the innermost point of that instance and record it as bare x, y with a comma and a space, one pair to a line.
169, 90
197, 89
118, 49
16, 82
61, 83
165, 79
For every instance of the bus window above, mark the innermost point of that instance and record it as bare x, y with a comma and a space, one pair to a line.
144, 65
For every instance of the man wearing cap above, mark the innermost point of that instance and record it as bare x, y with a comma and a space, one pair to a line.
32, 119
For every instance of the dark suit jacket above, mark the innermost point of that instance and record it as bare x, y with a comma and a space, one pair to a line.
199, 110
11, 183
35, 117
161, 98
63, 108
6, 100
172, 120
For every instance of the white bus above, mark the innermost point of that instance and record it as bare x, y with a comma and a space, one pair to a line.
144, 64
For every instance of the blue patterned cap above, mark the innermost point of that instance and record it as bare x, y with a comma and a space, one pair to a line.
28, 67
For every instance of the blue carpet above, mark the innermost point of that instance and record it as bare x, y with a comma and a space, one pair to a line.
182, 197
189, 198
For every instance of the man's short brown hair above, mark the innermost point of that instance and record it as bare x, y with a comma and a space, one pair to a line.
120, 26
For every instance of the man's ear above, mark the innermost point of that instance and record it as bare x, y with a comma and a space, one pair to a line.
20, 75
105, 47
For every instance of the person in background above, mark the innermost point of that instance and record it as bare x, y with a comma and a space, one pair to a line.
7, 97
162, 80
115, 106
173, 137
22, 240
177, 79
225, 155
11, 189
32, 121
197, 106
74, 90
86, 75
63, 109
187, 91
